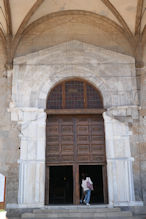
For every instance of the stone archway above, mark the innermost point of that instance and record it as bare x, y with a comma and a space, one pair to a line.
75, 138
33, 77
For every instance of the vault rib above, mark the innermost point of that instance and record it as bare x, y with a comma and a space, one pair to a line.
138, 16
8, 16
25, 22
115, 12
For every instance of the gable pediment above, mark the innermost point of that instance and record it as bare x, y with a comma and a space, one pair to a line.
73, 52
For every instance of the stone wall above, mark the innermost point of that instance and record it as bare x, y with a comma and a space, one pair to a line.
141, 140
9, 152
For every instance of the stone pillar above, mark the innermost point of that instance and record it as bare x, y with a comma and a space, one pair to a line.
32, 123
119, 160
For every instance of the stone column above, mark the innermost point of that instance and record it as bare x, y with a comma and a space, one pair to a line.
119, 160
32, 157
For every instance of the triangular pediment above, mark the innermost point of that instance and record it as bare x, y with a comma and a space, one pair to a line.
74, 52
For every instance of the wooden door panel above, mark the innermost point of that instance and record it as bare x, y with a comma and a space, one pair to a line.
97, 131
83, 139
98, 149
52, 129
83, 158
67, 158
97, 139
52, 159
82, 130
67, 139
52, 139
69, 149
75, 138
53, 149
83, 149
67, 129
98, 159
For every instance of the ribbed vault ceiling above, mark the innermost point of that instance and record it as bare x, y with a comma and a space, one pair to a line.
16, 16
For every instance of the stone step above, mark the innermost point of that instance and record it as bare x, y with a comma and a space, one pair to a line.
129, 217
77, 215
80, 209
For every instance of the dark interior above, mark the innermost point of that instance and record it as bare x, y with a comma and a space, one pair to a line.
61, 185
95, 173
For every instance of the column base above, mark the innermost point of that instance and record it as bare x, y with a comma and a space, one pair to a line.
132, 203
14, 206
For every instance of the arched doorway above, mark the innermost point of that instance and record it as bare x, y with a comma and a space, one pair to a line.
74, 142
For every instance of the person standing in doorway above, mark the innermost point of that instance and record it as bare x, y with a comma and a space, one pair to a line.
87, 186
82, 192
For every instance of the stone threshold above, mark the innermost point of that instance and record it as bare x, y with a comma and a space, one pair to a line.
42, 206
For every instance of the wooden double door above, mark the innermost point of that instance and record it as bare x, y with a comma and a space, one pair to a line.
76, 142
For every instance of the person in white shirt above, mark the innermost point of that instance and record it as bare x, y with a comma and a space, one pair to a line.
86, 188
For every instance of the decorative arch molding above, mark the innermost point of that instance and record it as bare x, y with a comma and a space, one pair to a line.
74, 12
82, 95
34, 75
69, 74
